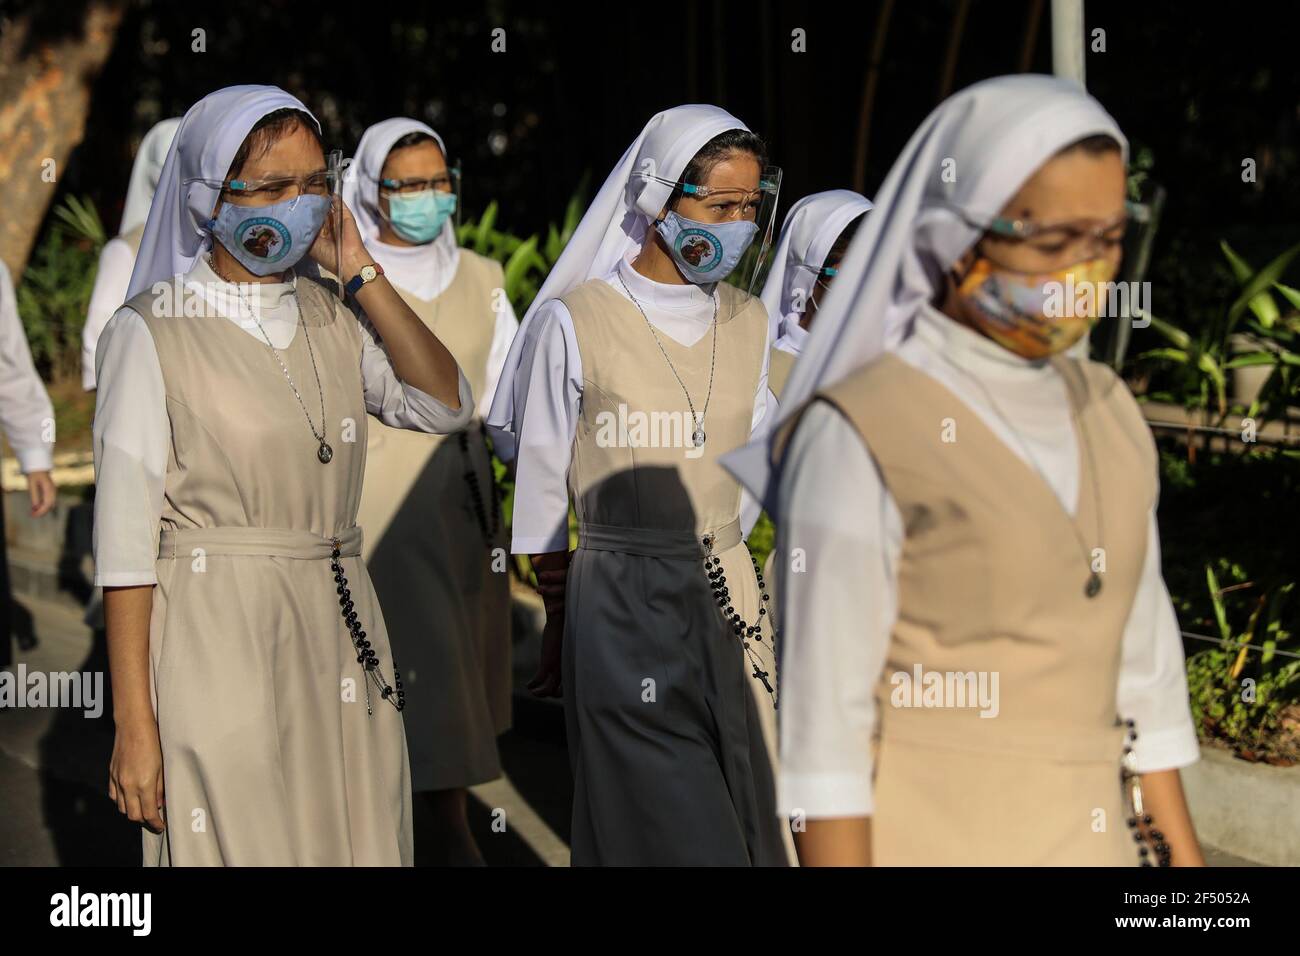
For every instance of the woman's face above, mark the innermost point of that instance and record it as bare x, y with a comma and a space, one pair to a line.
1077, 191
415, 166
295, 158
733, 193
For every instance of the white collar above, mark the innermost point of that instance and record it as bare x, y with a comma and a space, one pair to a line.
976, 354
269, 297
687, 300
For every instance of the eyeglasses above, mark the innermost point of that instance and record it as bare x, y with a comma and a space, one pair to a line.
1052, 238
446, 182
320, 183
729, 200
823, 272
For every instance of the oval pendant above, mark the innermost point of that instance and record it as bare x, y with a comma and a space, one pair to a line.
324, 453
698, 437
1093, 587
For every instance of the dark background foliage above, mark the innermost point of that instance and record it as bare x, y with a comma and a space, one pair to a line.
1196, 89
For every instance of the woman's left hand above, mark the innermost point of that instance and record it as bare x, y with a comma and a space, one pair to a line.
323, 250
41, 492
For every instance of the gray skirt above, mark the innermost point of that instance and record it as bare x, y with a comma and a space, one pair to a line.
666, 742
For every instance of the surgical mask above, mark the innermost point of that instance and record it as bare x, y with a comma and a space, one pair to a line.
418, 217
1035, 314
266, 239
706, 251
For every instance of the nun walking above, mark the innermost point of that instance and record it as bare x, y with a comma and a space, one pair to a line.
435, 542
637, 367
116, 262
27, 418
980, 663
251, 670
814, 237
117, 258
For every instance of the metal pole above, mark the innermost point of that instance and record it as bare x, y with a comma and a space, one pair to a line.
1068, 40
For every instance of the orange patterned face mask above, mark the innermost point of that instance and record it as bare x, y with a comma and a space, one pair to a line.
1035, 314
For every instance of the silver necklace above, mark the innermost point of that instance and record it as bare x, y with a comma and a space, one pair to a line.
697, 436
324, 453
1092, 587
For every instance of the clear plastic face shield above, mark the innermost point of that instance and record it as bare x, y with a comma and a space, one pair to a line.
269, 224
716, 203
335, 170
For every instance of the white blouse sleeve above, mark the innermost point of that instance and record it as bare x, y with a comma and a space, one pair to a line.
1153, 675
503, 335
25, 411
547, 397
111, 280
839, 543
759, 425
400, 405
131, 441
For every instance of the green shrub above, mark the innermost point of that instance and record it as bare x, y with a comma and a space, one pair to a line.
55, 288
1240, 693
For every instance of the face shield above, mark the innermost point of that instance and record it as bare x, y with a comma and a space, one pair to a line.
706, 230
270, 224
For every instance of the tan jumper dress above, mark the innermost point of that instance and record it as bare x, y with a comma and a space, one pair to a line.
665, 716
991, 580
270, 755
437, 551
780, 365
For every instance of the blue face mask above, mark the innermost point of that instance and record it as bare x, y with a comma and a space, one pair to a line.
418, 217
705, 251
273, 238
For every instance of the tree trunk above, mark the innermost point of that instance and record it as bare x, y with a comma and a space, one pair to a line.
46, 74
868, 102
954, 47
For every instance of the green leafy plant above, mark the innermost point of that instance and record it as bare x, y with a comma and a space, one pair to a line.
1253, 331
1244, 696
55, 289
525, 261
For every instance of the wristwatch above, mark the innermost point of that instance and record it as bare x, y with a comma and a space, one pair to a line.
367, 274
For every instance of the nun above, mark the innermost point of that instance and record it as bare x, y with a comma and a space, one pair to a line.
634, 370
435, 542
27, 419
980, 661
250, 665
117, 258
814, 237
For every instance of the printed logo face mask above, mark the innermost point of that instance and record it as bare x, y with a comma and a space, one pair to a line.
273, 238
706, 252
418, 217
1035, 314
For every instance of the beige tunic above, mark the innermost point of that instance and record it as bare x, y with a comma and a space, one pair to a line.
269, 752
781, 363
437, 552
665, 715
992, 582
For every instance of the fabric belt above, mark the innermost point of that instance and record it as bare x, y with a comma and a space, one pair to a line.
963, 729
659, 543
276, 542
